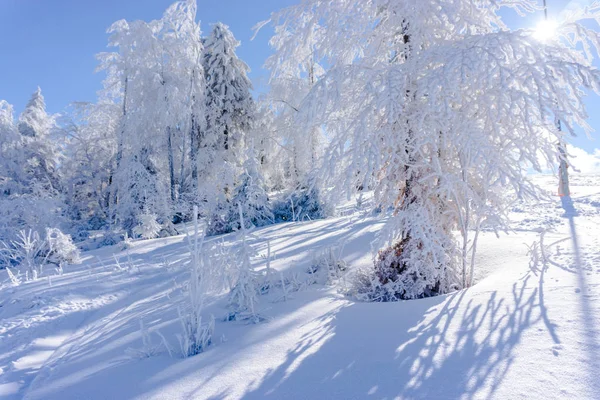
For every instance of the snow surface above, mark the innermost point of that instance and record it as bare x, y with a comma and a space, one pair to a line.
528, 329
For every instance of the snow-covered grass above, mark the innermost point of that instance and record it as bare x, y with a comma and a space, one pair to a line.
529, 328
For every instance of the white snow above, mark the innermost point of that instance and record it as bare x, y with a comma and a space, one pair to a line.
527, 329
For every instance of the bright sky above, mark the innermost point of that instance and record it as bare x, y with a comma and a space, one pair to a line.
53, 44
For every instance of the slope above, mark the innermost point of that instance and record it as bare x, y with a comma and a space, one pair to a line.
527, 329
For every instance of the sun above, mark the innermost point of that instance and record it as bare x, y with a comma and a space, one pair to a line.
545, 30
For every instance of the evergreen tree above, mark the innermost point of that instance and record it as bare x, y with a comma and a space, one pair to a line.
229, 116
39, 148
34, 121
30, 184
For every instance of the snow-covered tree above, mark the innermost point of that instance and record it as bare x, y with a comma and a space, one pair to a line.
438, 106
157, 77
34, 121
89, 163
184, 89
229, 116
30, 183
138, 182
8, 132
303, 142
148, 227
270, 151
251, 195
9, 140
10, 162
40, 150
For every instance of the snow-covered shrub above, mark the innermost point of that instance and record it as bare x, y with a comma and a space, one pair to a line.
29, 253
327, 265
396, 275
12, 277
302, 204
365, 286
61, 247
196, 336
218, 222
27, 212
148, 227
243, 298
110, 238
252, 196
269, 274
149, 347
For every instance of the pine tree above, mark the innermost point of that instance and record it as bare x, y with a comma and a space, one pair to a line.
30, 184
34, 121
229, 116
41, 152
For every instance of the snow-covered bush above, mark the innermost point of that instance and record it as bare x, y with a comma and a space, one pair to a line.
149, 347
110, 238
250, 193
196, 335
243, 298
306, 203
364, 285
30, 252
61, 247
219, 222
26, 212
327, 265
148, 227
393, 271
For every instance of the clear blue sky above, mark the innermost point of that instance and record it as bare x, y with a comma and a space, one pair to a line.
52, 43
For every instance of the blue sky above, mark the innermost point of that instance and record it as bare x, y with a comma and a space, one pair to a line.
52, 43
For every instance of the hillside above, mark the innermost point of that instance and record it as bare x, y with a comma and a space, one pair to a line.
529, 328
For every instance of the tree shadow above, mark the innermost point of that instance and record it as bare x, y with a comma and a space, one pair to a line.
455, 349
590, 326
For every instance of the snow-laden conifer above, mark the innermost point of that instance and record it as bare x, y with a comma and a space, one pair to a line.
30, 181
229, 115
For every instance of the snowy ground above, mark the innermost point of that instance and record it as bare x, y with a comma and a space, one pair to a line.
530, 327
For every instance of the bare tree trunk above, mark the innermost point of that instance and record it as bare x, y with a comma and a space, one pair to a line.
113, 191
171, 163
194, 149
182, 165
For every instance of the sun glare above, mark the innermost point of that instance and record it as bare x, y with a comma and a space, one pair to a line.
545, 30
